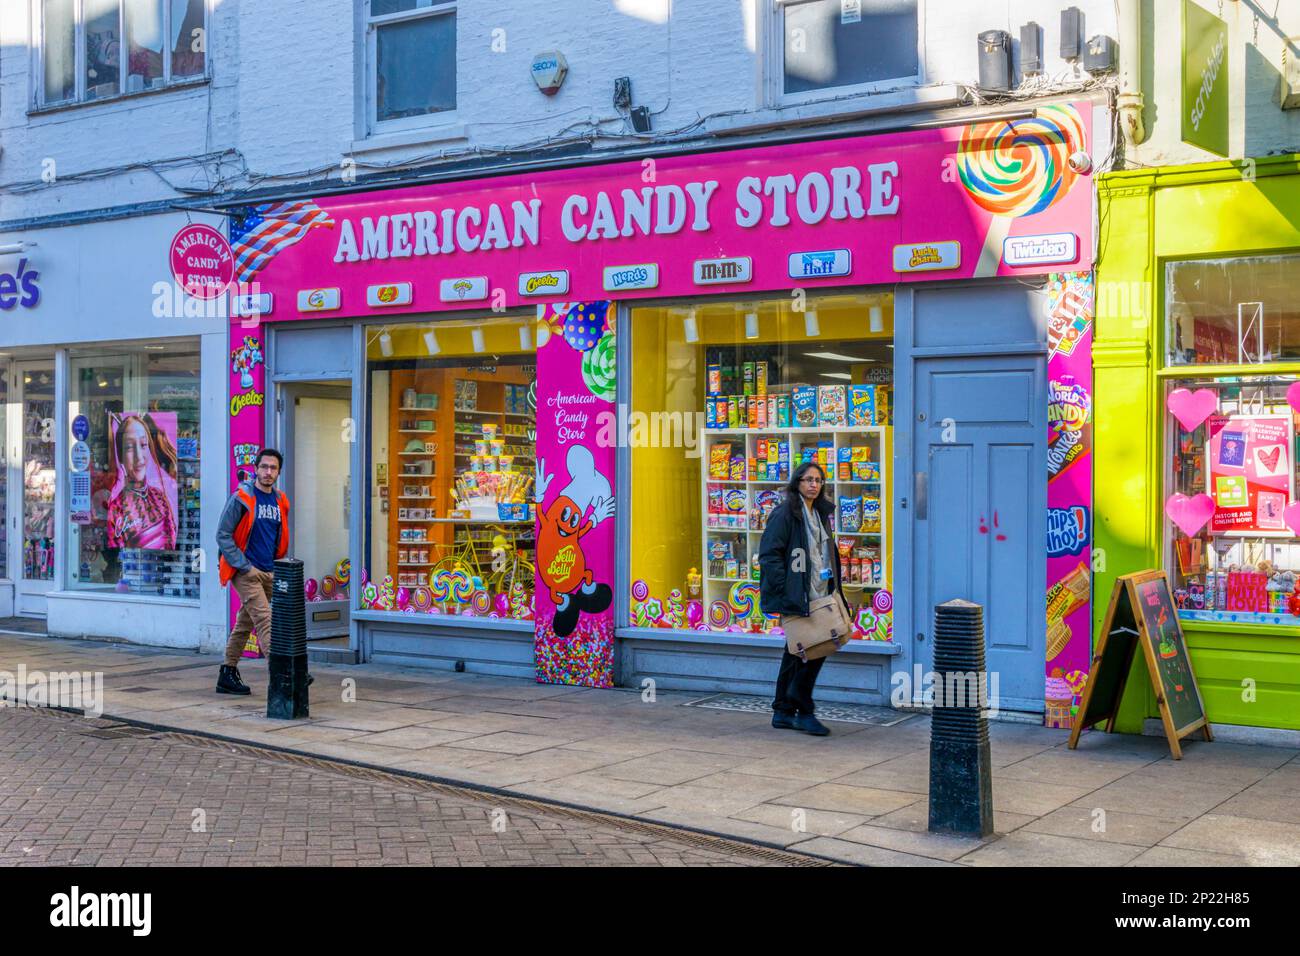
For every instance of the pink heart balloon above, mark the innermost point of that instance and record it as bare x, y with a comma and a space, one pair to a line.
1190, 514
1192, 408
1291, 513
1293, 396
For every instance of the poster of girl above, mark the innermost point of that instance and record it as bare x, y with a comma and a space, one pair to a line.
142, 504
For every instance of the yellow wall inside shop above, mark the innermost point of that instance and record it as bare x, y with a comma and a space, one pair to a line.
666, 489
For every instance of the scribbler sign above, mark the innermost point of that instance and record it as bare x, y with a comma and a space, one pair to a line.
1205, 79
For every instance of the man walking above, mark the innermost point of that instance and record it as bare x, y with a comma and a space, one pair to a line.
252, 533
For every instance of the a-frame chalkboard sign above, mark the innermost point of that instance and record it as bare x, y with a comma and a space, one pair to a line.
1142, 612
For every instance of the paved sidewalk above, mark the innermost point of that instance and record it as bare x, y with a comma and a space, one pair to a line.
858, 796
78, 792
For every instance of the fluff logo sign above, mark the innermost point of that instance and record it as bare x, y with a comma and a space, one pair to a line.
19, 288
1067, 530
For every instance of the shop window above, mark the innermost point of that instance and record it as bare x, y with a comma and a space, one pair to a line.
451, 444
1233, 311
125, 46
844, 45
1234, 551
39, 468
133, 504
412, 46
727, 400
4, 474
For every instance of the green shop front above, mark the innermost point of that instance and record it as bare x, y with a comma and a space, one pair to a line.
1197, 409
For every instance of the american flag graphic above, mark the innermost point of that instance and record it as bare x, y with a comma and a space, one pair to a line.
261, 232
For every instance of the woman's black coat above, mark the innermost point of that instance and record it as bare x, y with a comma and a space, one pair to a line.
782, 588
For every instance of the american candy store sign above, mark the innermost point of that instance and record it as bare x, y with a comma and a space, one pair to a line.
671, 225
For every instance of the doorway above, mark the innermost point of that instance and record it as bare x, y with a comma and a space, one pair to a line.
316, 435
980, 513
31, 543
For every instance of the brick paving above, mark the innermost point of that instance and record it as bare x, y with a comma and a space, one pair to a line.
77, 791
858, 796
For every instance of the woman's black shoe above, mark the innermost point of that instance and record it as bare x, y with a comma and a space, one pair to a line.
811, 725
782, 721
229, 681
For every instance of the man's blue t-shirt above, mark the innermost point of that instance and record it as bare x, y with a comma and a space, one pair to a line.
265, 535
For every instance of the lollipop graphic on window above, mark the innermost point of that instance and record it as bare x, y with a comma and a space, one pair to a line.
1015, 168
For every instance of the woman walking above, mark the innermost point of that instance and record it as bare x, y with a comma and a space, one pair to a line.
799, 564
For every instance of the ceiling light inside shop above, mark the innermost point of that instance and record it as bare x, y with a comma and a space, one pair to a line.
810, 326
751, 325
877, 318
844, 375
386, 344
690, 327
836, 357
476, 336
525, 338
431, 343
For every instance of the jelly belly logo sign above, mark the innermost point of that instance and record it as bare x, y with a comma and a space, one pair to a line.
201, 261
1067, 530
19, 289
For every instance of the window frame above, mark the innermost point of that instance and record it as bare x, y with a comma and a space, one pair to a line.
1162, 424
38, 101
773, 79
370, 24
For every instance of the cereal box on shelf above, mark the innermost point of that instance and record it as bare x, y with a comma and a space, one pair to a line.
803, 403
862, 405
830, 405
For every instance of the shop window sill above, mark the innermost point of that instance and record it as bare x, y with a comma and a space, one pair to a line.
743, 640
424, 136
1197, 628
125, 598
832, 108
191, 83
444, 621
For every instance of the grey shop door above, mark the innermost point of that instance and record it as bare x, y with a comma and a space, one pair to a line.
980, 519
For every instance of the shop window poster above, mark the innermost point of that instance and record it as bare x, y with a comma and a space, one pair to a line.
1070, 298
1250, 473
574, 616
142, 502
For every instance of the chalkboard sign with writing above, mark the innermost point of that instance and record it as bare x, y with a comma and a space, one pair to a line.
1142, 613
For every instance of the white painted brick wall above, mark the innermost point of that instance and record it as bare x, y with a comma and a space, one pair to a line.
286, 75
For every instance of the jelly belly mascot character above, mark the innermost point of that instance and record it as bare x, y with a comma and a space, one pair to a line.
563, 524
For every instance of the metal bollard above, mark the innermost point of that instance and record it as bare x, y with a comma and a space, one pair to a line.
286, 697
961, 780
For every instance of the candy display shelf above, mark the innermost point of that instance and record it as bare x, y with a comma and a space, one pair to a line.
466, 400
732, 535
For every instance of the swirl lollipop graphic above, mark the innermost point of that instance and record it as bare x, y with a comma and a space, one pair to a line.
1018, 168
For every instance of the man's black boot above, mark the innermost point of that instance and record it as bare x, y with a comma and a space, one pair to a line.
229, 681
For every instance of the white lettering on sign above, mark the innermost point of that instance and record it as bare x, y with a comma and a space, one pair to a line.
842, 192
1209, 76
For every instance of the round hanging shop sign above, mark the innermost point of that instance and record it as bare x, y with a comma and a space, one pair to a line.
79, 456
201, 261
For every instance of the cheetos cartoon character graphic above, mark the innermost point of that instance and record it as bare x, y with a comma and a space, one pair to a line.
579, 507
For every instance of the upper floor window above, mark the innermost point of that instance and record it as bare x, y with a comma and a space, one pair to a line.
843, 45
412, 55
91, 49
